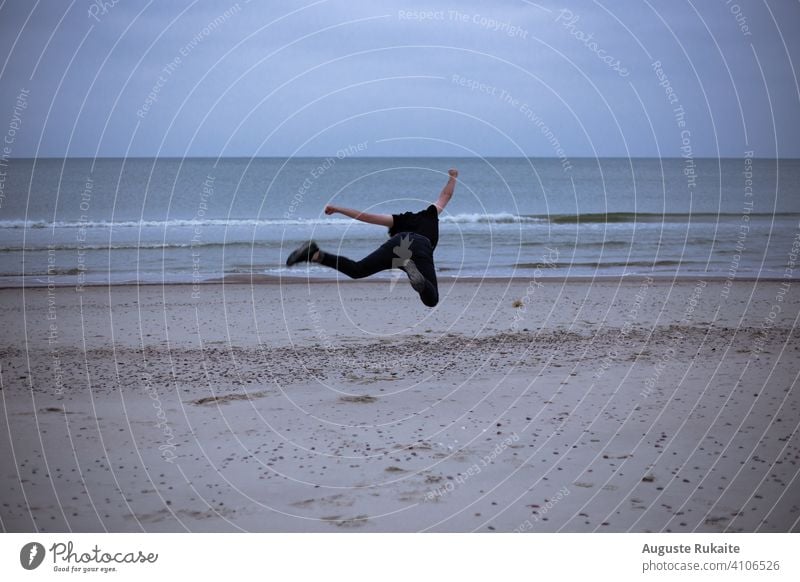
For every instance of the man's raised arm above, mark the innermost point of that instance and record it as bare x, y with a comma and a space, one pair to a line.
386, 220
447, 192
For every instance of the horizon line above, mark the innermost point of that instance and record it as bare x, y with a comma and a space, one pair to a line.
323, 156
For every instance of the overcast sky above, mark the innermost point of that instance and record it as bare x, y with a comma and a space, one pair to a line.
505, 78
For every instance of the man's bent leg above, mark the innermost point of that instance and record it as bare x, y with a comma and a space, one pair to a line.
422, 255
430, 293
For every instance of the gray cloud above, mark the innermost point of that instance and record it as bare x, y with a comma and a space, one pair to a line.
507, 78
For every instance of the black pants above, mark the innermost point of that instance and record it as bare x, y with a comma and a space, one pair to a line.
390, 255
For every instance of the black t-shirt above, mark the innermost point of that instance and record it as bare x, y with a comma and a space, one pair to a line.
425, 222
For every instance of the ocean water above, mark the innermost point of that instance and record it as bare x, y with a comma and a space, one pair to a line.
82, 221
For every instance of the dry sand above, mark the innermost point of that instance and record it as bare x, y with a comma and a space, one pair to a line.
590, 406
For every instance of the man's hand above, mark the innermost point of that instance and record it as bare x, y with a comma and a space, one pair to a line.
330, 209
453, 173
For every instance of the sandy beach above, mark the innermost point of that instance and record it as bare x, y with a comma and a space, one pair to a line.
636, 405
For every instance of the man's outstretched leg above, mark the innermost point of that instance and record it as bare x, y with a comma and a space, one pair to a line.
379, 260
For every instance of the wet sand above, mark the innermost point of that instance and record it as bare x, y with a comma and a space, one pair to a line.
540, 406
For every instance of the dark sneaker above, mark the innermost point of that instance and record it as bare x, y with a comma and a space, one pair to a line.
417, 279
302, 253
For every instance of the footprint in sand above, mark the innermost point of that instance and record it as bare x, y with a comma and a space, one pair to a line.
164, 514
54, 409
365, 399
227, 398
348, 522
339, 500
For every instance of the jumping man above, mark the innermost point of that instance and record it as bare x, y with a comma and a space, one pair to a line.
414, 236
